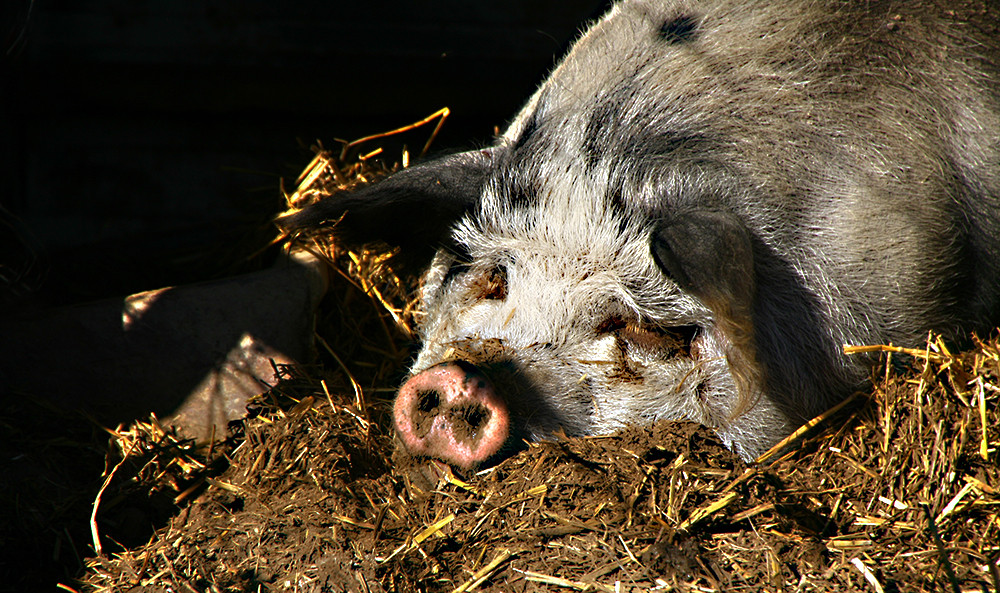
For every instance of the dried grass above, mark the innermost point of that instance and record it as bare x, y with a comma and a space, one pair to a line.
896, 490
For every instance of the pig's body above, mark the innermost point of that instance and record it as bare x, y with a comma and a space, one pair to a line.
693, 214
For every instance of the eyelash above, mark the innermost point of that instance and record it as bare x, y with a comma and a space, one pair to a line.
456, 269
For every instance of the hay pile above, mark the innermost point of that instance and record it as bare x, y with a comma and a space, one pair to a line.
898, 490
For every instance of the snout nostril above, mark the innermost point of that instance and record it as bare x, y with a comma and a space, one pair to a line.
475, 417
469, 423
428, 400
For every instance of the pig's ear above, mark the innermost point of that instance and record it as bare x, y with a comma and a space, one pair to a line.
415, 207
710, 255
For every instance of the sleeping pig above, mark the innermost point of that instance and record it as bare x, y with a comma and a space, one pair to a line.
691, 216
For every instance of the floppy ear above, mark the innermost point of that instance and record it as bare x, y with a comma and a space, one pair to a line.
710, 255
415, 207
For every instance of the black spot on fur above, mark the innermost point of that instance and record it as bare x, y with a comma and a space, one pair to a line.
619, 205
597, 124
669, 143
527, 134
605, 122
680, 29
623, 130
523, 192
516, 176
633, 157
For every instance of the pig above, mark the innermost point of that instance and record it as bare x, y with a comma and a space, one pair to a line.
692, 215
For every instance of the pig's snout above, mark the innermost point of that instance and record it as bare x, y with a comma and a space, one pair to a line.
452, 412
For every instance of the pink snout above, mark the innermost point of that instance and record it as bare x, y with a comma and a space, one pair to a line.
451, 411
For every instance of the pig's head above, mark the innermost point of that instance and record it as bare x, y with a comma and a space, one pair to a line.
553, 304
555, 308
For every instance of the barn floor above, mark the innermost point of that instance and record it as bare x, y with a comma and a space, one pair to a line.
893, 494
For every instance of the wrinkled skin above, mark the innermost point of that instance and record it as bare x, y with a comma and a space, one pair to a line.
693, 214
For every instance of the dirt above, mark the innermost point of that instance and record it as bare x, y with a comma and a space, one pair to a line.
312, 494
309, 501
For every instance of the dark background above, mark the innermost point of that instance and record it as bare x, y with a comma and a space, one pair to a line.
142, 143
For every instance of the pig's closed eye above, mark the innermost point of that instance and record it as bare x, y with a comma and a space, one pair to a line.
492, 285
610, 325
642, 335
649, 337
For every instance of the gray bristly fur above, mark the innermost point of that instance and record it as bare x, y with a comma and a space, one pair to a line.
770, 179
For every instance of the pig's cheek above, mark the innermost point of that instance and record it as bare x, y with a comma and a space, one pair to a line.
484, 320
595, 361
603, 348
476, 320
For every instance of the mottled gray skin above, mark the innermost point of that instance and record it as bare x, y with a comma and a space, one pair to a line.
703, 203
